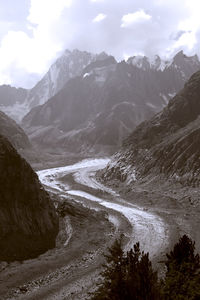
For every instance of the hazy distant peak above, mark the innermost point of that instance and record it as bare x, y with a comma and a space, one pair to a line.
156, 63
181, 57
102, 56
145, 63
67, 52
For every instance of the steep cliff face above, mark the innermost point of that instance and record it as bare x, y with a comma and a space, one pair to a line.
28, 221
16, 102
167, 144
67, 66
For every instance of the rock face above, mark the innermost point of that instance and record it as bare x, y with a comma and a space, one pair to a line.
28, 221
102, 106
67, 66
17, 102
166, 78
13, 132
167, 144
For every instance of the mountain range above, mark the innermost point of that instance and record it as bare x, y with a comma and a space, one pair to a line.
99, 108
90, 103
17, 102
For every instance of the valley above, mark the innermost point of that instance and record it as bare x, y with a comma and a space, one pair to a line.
92, 215
148, 191
99, 150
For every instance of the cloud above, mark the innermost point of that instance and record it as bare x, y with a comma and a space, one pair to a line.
52, 9
138, 17
99, 18
31, 50
96, 1
32, 38
176, 35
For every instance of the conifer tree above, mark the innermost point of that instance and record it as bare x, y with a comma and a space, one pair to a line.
127, 276
182, 279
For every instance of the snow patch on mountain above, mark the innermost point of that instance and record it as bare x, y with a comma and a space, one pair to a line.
172, 95
165, 98
54, 75
86, 75
145, 63
150, 105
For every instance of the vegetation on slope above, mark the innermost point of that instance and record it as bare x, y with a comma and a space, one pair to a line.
128, 276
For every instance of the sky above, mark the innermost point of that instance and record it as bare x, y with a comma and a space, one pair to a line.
33, 33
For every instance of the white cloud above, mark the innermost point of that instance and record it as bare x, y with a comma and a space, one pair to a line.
188, 39
99, 18
190, 26
35, 37
138, 17
47, 11
33, 51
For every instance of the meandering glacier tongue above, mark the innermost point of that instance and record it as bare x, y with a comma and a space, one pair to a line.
146, 227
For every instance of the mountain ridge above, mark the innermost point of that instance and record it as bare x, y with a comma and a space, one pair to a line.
71, 64
166, 144
104, 104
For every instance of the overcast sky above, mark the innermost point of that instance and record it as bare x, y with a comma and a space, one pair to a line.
33, 33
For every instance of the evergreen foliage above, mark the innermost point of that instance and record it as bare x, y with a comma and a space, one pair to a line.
127, 276
182, 280
130, 276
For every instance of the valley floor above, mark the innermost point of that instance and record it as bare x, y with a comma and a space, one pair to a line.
89, 224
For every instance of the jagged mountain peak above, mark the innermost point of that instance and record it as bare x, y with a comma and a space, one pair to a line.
80, 63
66, 52
102, 85
181, 58
69, 65
156, 63
180, 111
146, 63
95, 65
102, 56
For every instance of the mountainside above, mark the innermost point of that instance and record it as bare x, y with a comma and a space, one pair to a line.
167, 144
18, 102
28, 221
102, 106
13, 132
69, 65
